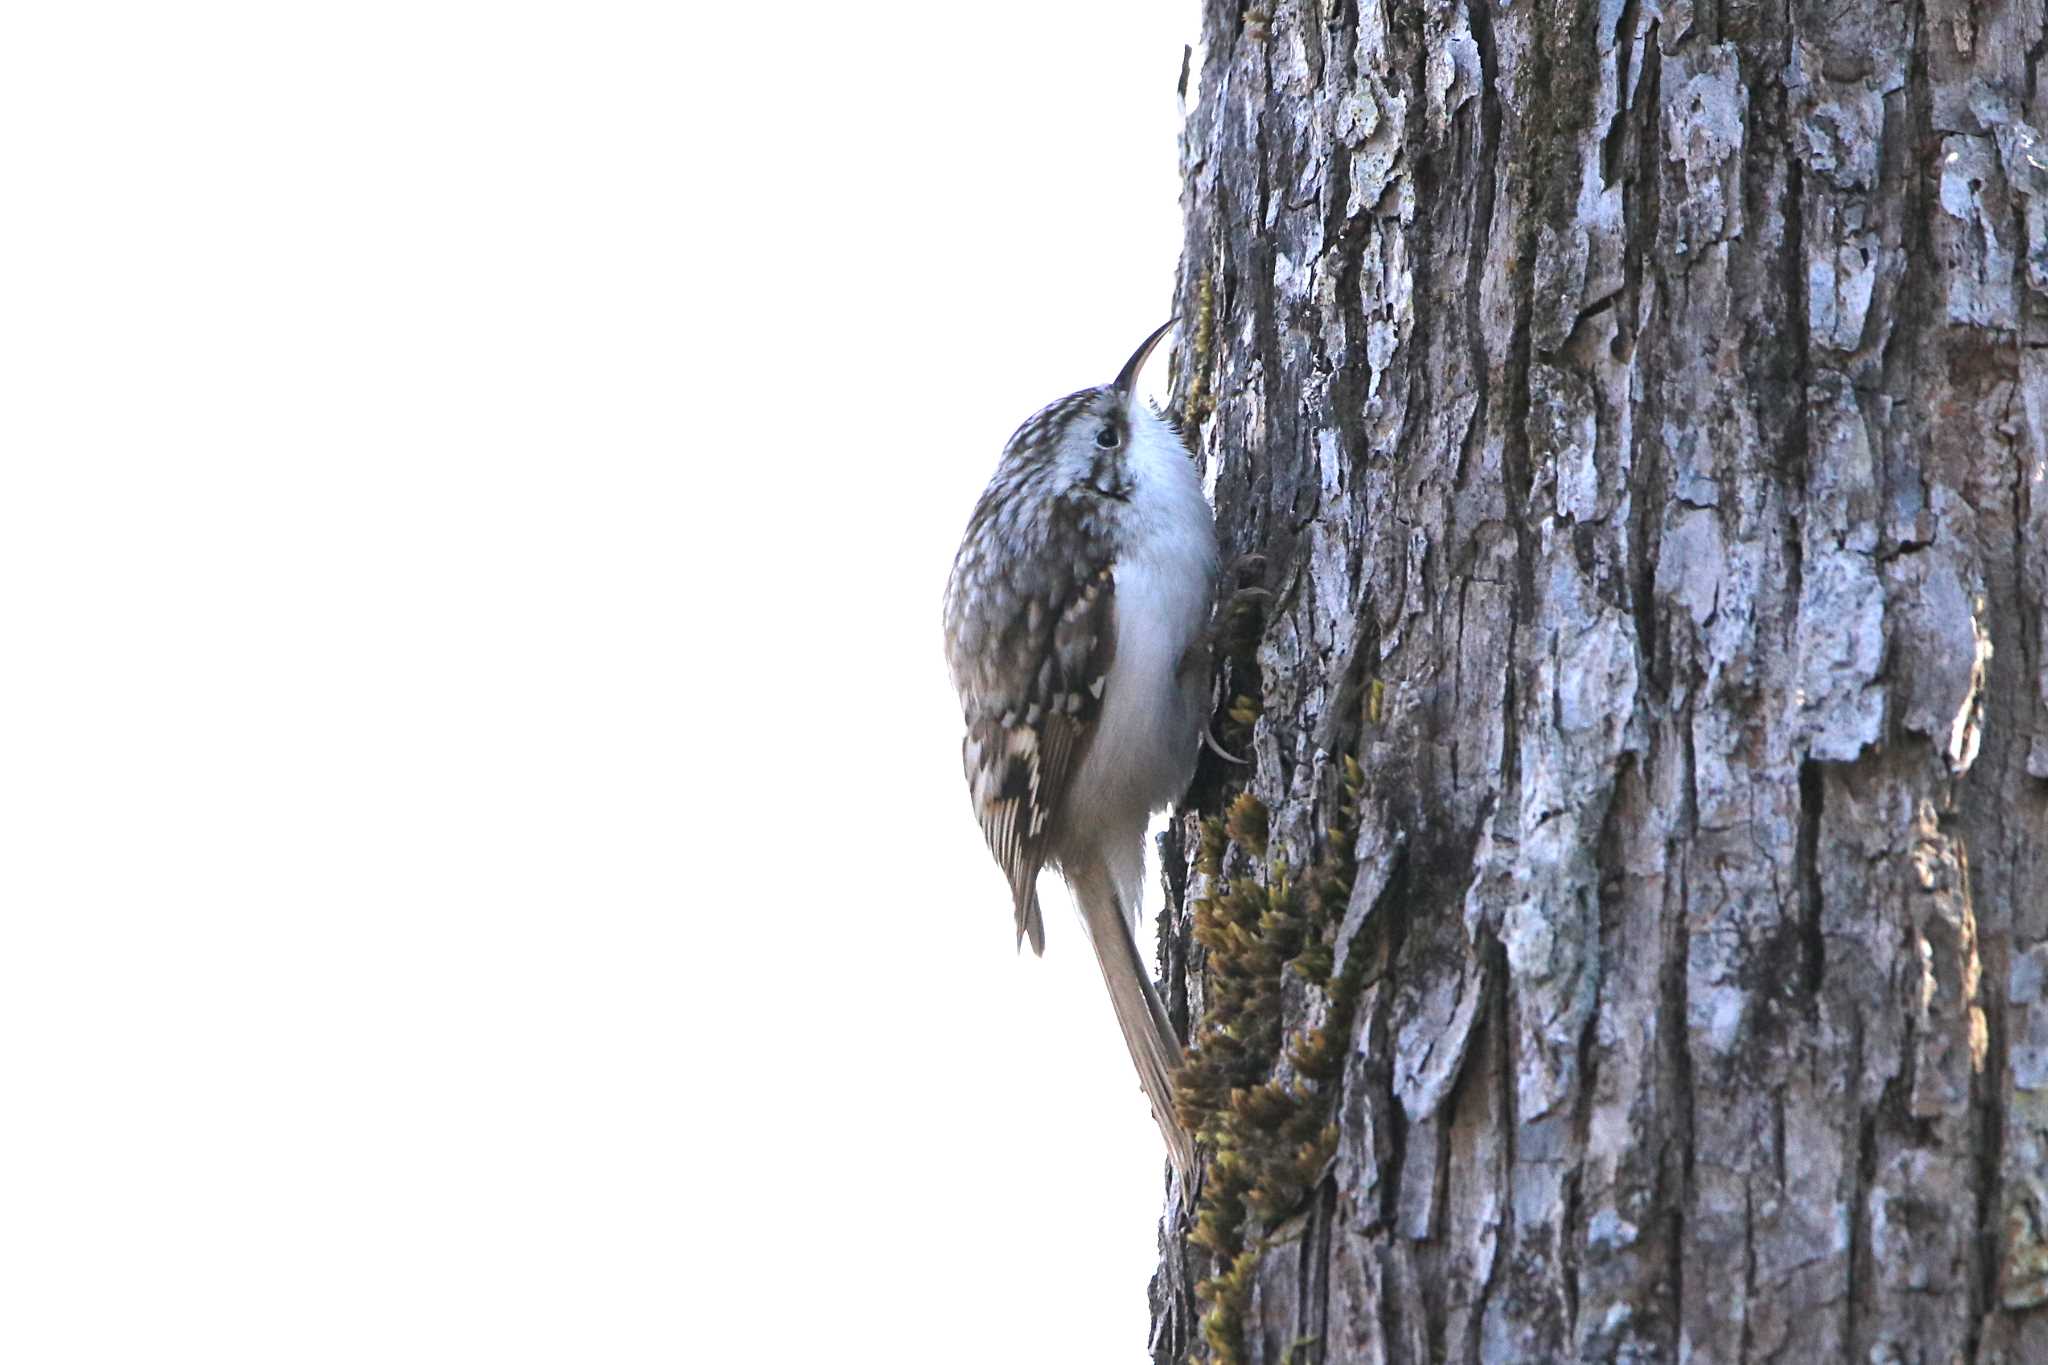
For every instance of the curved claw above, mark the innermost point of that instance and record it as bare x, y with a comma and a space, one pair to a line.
1218, 750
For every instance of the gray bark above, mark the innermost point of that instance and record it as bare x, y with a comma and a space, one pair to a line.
1641, 410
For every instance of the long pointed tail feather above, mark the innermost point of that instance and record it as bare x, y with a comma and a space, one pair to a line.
1148, 1033
1030, 924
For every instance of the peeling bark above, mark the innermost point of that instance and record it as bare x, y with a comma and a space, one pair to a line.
1641, 410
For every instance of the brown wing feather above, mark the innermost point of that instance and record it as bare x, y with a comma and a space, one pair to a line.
1020, 759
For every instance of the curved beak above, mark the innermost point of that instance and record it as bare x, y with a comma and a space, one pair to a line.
1127, 378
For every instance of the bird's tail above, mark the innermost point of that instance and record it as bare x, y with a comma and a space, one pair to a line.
1139, 1013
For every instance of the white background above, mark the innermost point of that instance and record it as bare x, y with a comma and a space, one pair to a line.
484, 867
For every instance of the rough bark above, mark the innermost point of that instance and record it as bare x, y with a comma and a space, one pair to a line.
1640, 410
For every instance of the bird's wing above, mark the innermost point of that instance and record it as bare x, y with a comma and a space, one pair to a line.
1026, 741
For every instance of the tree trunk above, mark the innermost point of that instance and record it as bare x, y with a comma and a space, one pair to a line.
1628, 938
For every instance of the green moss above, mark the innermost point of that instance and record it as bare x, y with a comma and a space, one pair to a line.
1246, 824
1267, 1128
1200, 402
1226, 1295
1315, 1056
1238, 723
1240, 624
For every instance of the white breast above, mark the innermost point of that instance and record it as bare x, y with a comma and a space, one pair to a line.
1148, 735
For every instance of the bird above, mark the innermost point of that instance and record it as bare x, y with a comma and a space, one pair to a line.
1076, 630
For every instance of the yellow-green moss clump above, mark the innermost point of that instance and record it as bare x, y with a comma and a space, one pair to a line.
1201, 403
1269, 1134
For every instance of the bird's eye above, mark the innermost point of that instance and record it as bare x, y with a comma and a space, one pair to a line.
1106, 438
